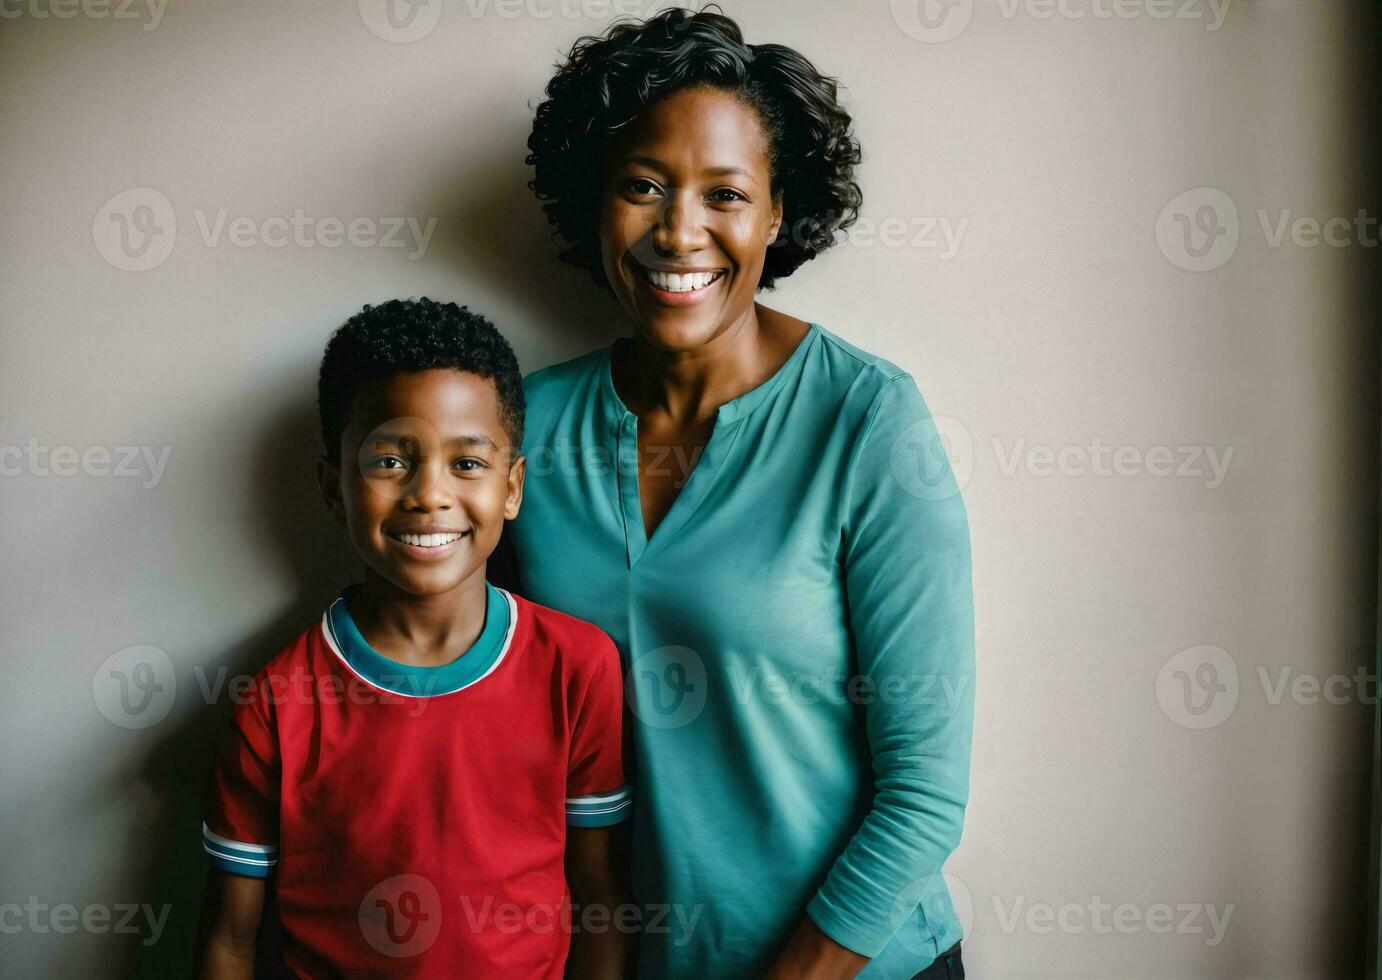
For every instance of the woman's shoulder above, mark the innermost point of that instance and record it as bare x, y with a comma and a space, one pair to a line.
552, 391
562, 377
852, 383
857, 364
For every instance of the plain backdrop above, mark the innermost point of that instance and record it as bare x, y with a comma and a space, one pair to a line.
1168, 714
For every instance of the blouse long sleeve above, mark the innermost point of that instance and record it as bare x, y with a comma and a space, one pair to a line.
909, 590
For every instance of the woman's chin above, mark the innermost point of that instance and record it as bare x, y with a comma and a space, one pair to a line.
675, 330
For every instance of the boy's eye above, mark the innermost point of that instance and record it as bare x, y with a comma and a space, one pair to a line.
387, 463
469, 464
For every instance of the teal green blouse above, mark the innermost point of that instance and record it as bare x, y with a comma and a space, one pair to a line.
798, 638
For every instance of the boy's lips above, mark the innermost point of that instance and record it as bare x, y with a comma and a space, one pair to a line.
427, 542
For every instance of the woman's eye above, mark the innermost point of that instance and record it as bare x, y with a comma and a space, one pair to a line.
641, 185
726, 195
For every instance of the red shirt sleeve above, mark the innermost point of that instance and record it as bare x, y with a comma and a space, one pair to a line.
597, 793
240, 833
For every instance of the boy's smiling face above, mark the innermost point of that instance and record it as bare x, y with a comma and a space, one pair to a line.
424, 482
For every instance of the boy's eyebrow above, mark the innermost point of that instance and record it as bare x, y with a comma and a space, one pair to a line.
469, 439
473, 439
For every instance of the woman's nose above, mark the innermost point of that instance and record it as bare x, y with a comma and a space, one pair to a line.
682, 226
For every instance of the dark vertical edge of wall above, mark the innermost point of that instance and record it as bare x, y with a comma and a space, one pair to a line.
1363, 56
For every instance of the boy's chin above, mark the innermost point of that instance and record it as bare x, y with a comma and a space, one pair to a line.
438, 581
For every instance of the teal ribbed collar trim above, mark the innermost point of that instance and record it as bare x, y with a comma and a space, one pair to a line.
476, 663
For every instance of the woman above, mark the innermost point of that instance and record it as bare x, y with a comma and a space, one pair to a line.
754, 510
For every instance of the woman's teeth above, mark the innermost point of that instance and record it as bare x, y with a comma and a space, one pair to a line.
428, 540
673, 283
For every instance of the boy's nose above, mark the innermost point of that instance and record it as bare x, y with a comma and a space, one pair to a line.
426, 492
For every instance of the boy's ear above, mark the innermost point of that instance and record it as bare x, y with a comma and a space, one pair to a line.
517, 470
329, 482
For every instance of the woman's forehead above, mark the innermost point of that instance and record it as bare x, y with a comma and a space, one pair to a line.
699, 129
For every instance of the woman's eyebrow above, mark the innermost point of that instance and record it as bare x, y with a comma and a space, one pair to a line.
727, 171
657, 164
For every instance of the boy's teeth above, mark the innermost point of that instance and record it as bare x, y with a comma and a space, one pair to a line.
428, 540
673, 283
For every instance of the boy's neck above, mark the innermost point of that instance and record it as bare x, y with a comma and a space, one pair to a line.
420, 630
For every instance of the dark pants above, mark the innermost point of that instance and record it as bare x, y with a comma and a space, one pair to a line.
947, 966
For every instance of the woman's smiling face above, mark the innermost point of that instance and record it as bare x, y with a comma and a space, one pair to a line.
687, 213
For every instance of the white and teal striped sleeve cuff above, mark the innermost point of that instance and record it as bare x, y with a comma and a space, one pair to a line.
599, 809
237, 857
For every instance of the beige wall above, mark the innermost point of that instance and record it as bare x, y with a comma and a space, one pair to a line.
1064, 308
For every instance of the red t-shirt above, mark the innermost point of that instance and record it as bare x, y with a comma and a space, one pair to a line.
414, 819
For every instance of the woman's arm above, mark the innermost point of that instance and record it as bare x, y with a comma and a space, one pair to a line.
230, 924
812, 955
911, 609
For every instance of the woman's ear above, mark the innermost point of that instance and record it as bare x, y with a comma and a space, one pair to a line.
329, 482
776, 225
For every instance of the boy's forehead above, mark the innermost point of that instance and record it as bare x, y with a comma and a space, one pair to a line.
450, 401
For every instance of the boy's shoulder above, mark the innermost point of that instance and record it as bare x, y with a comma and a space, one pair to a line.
300, 662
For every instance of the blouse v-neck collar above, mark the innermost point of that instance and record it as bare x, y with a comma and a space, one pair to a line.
622, 428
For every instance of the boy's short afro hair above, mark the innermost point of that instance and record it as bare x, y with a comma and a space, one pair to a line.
606, 81
406, 335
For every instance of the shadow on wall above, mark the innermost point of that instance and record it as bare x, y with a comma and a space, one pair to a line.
1362, 182
291, 524
493, 233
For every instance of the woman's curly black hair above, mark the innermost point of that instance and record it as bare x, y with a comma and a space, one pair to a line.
606, 81
404, 336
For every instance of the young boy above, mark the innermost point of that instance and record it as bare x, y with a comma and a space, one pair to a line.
421, 773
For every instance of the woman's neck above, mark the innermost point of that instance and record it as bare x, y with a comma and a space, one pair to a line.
689, 386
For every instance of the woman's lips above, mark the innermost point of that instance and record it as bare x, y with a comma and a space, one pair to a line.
678, 297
